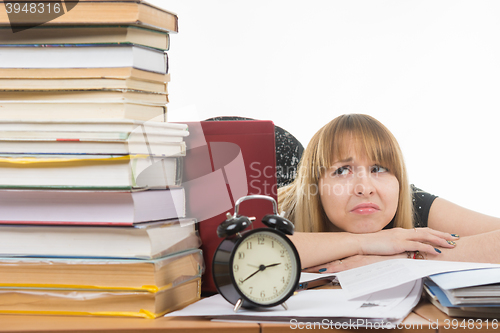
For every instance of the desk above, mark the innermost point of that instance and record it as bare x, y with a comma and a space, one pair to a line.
418, 321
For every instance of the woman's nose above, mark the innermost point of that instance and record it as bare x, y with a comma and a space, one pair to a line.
363, 185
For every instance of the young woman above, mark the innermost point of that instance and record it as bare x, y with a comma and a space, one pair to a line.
352, 205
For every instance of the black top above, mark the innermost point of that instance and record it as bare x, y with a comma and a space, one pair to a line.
422, 202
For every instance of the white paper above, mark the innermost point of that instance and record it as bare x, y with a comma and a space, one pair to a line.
390, 273
390, 306
476, 277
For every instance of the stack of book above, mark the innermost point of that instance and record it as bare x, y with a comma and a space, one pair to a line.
92, 207
471, 293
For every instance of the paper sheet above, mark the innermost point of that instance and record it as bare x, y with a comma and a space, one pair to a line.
390, 306
390, 273
470, 278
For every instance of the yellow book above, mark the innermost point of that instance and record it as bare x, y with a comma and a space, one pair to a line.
100, 274
99, 303
87, 12
125, 172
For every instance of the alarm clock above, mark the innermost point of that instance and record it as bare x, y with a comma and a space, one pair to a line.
256, 268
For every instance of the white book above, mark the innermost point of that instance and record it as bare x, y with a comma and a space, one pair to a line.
84, 56
147, 241
83, 110
88, 171
93, 147
78, 207
92, 125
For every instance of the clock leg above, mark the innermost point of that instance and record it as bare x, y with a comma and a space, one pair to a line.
284, 305
237, 306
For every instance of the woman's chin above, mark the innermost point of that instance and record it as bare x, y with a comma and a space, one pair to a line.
366, 227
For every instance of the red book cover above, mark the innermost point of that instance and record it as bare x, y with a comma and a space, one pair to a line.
226, 160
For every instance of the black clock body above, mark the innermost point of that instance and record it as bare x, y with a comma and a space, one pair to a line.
223, 275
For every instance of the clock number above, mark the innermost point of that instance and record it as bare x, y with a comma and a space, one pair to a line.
287, 267
282, 252
272, 244
249, 245
262, 294
236, 268
240, 281
283, 279
241, 255
275, 291
251, 290
260, 240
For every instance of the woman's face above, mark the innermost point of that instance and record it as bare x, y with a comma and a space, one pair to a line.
358, 195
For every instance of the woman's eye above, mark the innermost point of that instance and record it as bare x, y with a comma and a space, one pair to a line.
378, 169
345, 170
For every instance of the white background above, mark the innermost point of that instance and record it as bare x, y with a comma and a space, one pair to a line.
428, 70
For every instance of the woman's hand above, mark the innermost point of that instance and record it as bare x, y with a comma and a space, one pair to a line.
351, 262
398, 240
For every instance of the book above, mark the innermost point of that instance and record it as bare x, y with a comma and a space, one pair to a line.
82, 110
95, 172
120, 208
224, 161
100, 303
440, 300
168, 147
122, 73
139, 13
81, 34
48, 84
472, 287
84, 56
93, 126
87, 273
142, 241
83, 96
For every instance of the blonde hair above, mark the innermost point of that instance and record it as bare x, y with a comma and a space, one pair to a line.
300, 200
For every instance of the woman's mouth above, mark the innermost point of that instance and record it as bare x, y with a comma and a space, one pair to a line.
365, 208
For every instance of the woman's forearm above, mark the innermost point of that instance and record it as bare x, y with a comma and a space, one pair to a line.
316, 248
477, 248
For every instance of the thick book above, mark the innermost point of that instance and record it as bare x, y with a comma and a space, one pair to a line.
83, 96
123, 303
122, 73
109, 172
48, 84
440, 300
142, 241
83, 110
226, 160
80, 34
86, 273
118, 208
84, 56
82, 126
91, 145
97, 12
109, 137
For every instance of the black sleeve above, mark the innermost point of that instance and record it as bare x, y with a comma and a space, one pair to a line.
422, 202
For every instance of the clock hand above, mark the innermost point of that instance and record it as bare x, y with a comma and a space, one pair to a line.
261, 268
272, 265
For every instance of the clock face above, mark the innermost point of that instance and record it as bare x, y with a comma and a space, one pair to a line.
265, 267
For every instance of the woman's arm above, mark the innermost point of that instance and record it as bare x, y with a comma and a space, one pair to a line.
324, 247
468, 249
449, 217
